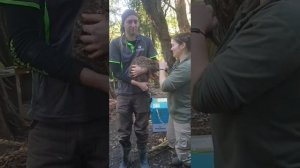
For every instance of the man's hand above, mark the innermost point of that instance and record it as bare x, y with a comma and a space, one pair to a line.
137, 70
142, 85
96, 39
94, 80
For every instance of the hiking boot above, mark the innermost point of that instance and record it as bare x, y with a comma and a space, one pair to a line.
124, 163
186, 164
143, 159
176, 162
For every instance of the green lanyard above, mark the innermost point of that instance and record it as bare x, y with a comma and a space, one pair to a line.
131, 47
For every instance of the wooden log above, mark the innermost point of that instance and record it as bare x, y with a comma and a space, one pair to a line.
158, 149
154, 151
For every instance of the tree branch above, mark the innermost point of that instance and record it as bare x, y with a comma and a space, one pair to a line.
169, 5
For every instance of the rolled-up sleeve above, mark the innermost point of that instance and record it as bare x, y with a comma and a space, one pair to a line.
179, 77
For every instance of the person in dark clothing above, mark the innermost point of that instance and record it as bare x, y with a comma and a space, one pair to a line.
70, 101
132, 96
252, 85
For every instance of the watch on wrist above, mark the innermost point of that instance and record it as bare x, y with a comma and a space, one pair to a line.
197, 30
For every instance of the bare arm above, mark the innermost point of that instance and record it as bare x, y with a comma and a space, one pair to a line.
95, 80
162, 73
142, 85
205, 23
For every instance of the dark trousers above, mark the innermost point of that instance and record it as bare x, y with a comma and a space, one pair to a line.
139, 105
83, 145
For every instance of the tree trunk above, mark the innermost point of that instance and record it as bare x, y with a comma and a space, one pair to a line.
158, 20
181, 14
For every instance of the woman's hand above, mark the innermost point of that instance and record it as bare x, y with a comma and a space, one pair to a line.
163, 65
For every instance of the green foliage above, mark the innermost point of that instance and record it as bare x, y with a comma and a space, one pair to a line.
172, 24
171, 18
114, 30
20, 64
17, 61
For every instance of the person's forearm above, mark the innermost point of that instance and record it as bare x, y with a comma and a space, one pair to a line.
123, 78
142, 85
94, 80
199, 56
162, 77
206, 22
133, 82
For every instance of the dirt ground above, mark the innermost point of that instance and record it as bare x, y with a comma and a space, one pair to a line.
161, 160
200, 124
12, 154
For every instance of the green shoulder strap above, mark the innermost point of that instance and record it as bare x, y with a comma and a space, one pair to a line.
46, 23
36, 6
21, 3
